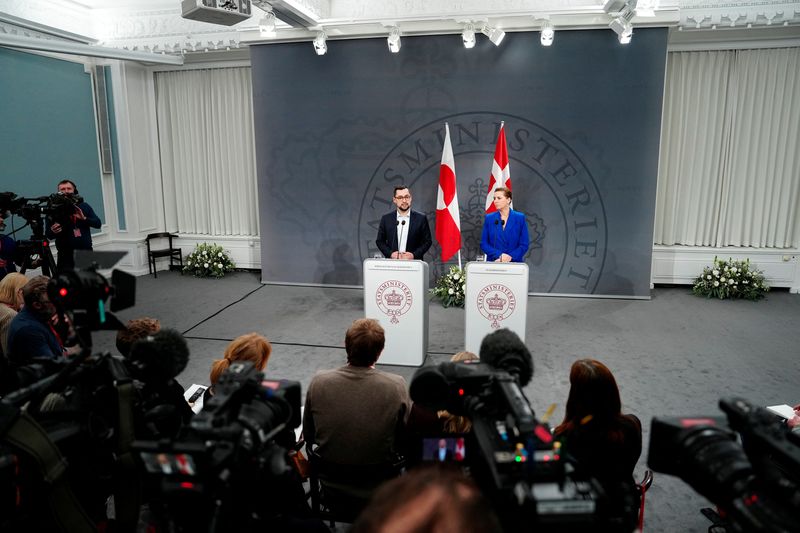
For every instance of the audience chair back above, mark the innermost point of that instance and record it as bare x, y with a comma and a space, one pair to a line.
153, 253
339, 492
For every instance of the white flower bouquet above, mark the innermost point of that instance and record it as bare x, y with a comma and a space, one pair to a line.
208, 260
450, 288
731, 279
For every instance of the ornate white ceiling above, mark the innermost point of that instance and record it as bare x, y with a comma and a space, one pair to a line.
157, 25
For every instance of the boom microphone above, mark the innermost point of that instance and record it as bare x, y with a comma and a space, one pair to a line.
504, 350
160, 357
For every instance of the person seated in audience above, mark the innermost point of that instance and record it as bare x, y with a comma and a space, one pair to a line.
433, 498
356, 414
456, 423
31, 334
251, 347
10, 303
604, 442
135, 329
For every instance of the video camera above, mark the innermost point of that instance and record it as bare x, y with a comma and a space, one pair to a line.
514, 457
79, 411
229, 470
754, 484
57, 206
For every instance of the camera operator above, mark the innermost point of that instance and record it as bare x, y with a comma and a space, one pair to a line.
73, 232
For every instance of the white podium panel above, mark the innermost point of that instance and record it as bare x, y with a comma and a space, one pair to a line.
496, 297
395, 294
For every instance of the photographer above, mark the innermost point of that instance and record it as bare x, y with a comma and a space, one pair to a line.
72, 232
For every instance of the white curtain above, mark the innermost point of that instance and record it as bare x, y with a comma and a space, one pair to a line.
729, 170
205, 130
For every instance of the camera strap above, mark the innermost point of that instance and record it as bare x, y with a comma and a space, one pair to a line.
27, 435
126, 485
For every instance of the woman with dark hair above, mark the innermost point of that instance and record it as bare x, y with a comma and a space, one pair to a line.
603, 442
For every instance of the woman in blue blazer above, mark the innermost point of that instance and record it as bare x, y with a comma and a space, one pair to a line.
505, 231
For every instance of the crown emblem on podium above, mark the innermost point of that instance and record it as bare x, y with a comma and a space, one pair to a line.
393, 298
496, 303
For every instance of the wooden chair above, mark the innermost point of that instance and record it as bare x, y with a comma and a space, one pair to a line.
171, 252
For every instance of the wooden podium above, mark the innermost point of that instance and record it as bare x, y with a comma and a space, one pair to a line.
395, 294
496, 297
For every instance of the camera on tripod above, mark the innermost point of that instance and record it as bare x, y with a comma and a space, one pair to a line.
755, 483
57, 208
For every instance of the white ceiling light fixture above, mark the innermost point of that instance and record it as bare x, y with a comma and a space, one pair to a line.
320, 46
495, 35
394, 39
547, 34
621, 24
468, 35
266, 26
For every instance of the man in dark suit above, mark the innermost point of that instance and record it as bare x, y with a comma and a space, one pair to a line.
403, 233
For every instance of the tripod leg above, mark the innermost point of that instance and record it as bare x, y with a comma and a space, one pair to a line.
48, 262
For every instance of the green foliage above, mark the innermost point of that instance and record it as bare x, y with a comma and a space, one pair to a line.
208, 260
450, 288
731, 279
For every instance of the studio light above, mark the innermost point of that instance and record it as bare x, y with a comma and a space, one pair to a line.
548, 33
468, 36
320, 47
266, 26
622, 26
495, 35
394, 40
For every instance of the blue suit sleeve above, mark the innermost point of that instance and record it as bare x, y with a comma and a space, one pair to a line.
487, 241
523, 240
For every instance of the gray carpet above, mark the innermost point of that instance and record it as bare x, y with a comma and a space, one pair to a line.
676, 354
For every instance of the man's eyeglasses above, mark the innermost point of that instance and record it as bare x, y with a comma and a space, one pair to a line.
405, 197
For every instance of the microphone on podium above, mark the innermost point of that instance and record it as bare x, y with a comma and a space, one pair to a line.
400, 238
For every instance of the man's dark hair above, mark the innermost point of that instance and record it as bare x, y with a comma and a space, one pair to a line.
433, 498
33, 291
400, 188
364, 342
136, 329
62, 182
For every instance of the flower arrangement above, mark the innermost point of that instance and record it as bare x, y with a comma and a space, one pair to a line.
450, 288
731, 279
208, 260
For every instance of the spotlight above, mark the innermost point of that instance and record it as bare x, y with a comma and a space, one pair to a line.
319, 43
267, 25
622, 26
394, 40
548, 33
468, 36
495, 35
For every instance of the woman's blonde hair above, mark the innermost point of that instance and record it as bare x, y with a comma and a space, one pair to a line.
9, 289
453, 423
251, 347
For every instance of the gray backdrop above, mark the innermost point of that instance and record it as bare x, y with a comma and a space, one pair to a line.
335, 133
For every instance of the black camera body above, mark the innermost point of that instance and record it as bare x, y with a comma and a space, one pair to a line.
755, 483
515, 458
229, 468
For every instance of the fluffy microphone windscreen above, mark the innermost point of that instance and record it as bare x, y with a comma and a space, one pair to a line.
504, 350
161, 356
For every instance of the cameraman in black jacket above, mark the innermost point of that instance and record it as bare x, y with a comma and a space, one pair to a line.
73, 232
